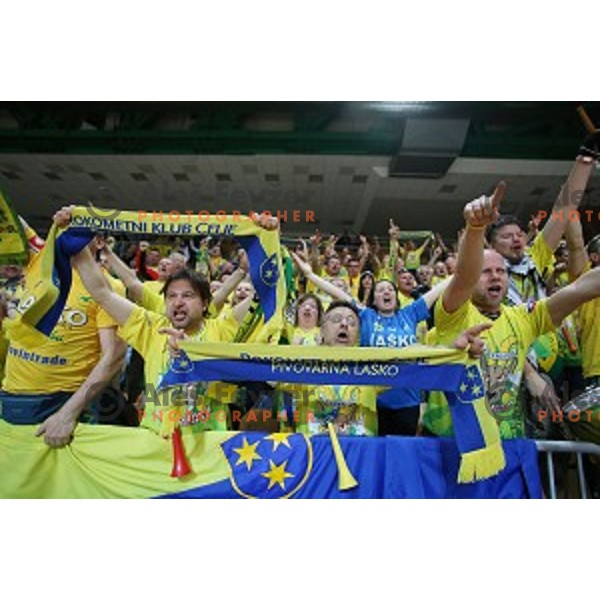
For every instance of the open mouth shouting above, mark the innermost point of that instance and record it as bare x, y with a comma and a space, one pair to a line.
496, 291
179, 317
342, 338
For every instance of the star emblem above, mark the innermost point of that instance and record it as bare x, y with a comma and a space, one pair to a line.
247, 454
277, 474
279, 438
463, 388
476, 391
269, 271
181, 363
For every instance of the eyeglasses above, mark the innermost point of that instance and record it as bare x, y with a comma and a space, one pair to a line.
338, 319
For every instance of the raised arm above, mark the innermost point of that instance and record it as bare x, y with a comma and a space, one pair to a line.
435, 256
478, 214
315, 255
363, 252
231, 282
241, 309
394, 233
568, 200
423, 246
127, 275
440, 243
436, 291
570, 298
323, 285
578, 256
116, 306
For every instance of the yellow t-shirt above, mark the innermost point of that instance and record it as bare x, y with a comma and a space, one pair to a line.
325, 299
209, 411
152, 300
412, 260
216, 262
63, 361
353, 286
156, 286
351, 409
404, 300
589, 335
507, 344
299, 337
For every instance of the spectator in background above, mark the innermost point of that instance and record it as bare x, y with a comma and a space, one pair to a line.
407, 287
412, 254
386, 325
529, 267
11, 285
307, 322
366, 287
424, 279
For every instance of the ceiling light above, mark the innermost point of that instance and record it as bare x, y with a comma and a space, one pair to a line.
398, 106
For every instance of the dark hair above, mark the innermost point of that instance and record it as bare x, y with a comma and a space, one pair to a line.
198, 282
503, 221
361, 290
342, 304
594, 246
301, 300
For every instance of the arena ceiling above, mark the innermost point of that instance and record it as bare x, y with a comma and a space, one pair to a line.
354, 164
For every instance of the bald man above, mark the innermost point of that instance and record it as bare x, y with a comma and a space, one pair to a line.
476, 295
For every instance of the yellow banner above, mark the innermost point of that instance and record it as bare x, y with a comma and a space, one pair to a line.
13, 243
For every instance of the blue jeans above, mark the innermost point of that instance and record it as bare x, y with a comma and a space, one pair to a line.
32, 409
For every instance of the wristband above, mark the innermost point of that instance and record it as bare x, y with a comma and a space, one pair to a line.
474, 228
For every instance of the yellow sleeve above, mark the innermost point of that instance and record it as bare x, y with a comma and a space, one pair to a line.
419, 251
213, 311
531, 320
311, 288
152, 301
139, 331
223, 328
542, 255
449, 325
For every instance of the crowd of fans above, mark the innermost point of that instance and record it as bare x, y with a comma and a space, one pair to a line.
527, 296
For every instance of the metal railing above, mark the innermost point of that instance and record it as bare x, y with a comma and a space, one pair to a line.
561, 447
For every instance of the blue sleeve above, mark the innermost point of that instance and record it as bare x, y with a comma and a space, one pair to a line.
417, 311
359, 307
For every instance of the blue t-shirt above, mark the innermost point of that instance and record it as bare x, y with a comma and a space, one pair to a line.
396, 331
